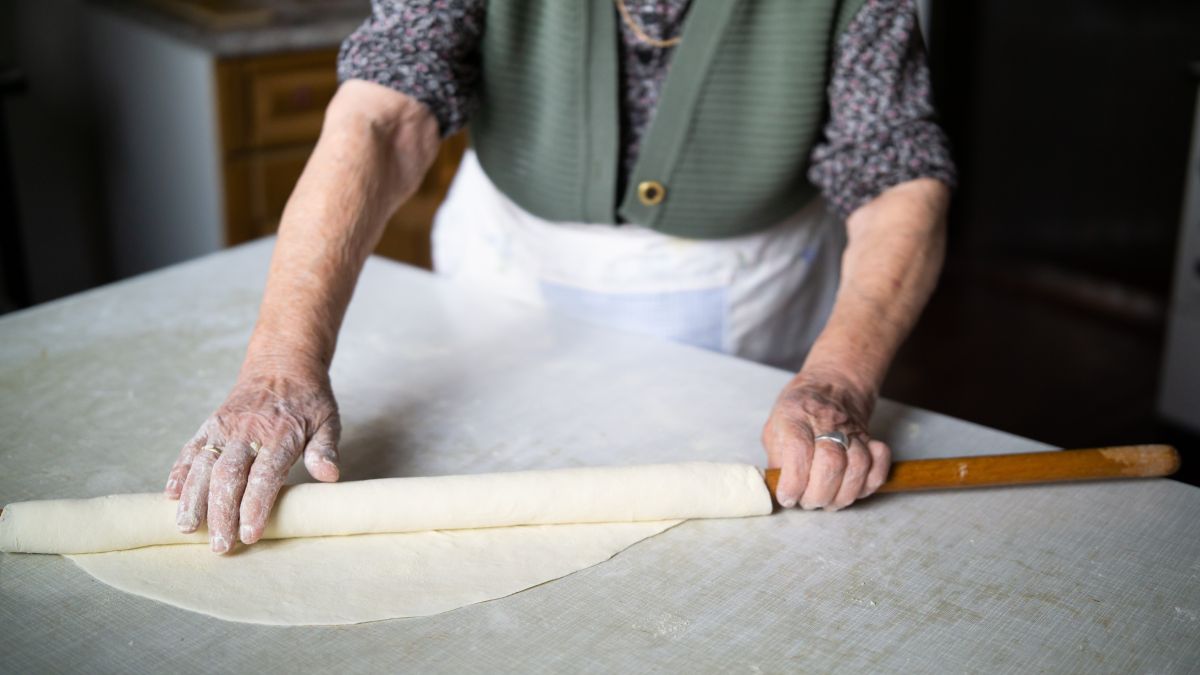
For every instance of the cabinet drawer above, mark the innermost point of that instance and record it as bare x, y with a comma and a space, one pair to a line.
288, 106
271, 101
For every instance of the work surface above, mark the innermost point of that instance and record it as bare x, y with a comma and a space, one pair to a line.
98, 392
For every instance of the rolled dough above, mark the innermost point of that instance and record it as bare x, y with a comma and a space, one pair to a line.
419, 546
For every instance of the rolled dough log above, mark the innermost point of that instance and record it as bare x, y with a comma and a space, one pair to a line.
464, 539
391, 505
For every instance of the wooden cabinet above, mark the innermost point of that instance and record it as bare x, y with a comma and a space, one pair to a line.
269, 115
201, 146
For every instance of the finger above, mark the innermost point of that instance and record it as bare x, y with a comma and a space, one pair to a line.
193, 496
321, 454
267, 476
881, 463
825, 476
858, 463
183, 464
225, 494
796, 452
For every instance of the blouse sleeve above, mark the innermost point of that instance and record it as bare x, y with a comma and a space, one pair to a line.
427, 49
881, 129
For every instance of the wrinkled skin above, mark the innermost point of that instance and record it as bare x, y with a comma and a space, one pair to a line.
261, 430
823, 475
375, 147
896, 244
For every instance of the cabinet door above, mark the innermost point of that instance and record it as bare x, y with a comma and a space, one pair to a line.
271, 110
273, 175
287, 106
263, 181
407, 235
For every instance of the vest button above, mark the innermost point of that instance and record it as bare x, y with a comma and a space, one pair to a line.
651, 192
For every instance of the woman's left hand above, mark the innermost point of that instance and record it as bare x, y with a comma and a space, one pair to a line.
895, 247
823, 474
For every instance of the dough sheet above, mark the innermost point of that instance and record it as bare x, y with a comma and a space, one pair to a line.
370, 577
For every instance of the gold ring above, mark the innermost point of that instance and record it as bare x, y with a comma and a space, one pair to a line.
255, 446
213, 449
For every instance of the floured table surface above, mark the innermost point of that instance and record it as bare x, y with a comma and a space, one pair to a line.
98, 391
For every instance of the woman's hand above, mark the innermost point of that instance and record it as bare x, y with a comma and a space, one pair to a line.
823, 474
376, 145
889, 268
231, 471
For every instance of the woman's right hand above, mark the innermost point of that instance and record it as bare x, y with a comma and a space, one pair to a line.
375, 147
230, 472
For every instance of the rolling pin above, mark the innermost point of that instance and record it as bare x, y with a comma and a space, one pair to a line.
1129, 461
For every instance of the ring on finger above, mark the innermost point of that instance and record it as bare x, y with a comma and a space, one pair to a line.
213, 449
255, 447
834, 437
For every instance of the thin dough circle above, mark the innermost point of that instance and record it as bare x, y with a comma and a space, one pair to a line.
371, 577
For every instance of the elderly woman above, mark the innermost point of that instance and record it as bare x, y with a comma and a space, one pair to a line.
760, 177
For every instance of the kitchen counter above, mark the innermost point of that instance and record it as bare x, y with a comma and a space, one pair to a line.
268, 27
98, 391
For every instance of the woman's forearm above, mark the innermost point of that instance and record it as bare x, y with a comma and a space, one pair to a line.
375, 147
889, 269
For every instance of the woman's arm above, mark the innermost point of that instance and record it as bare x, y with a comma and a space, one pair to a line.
375, 146
885, 166
889, 269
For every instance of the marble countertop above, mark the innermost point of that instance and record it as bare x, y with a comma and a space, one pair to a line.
99, 390
289, 26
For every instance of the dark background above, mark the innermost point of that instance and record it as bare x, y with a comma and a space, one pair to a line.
1071, 123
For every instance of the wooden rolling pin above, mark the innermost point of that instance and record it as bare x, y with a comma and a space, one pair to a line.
948, 473
1130, 461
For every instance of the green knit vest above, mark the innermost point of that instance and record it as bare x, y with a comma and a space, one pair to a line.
727, 150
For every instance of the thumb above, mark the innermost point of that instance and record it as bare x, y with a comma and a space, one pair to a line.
321, 454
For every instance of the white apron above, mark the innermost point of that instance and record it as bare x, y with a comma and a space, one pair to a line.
762, 296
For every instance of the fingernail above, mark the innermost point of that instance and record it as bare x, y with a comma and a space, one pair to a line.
787, 502
219, 544
186, 523
808, 507
245, 532
172, 484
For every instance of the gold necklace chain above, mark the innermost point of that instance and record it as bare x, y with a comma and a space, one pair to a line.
641, 34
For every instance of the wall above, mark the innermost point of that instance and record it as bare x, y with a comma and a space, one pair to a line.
156, 113
1071, 122
51, 141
